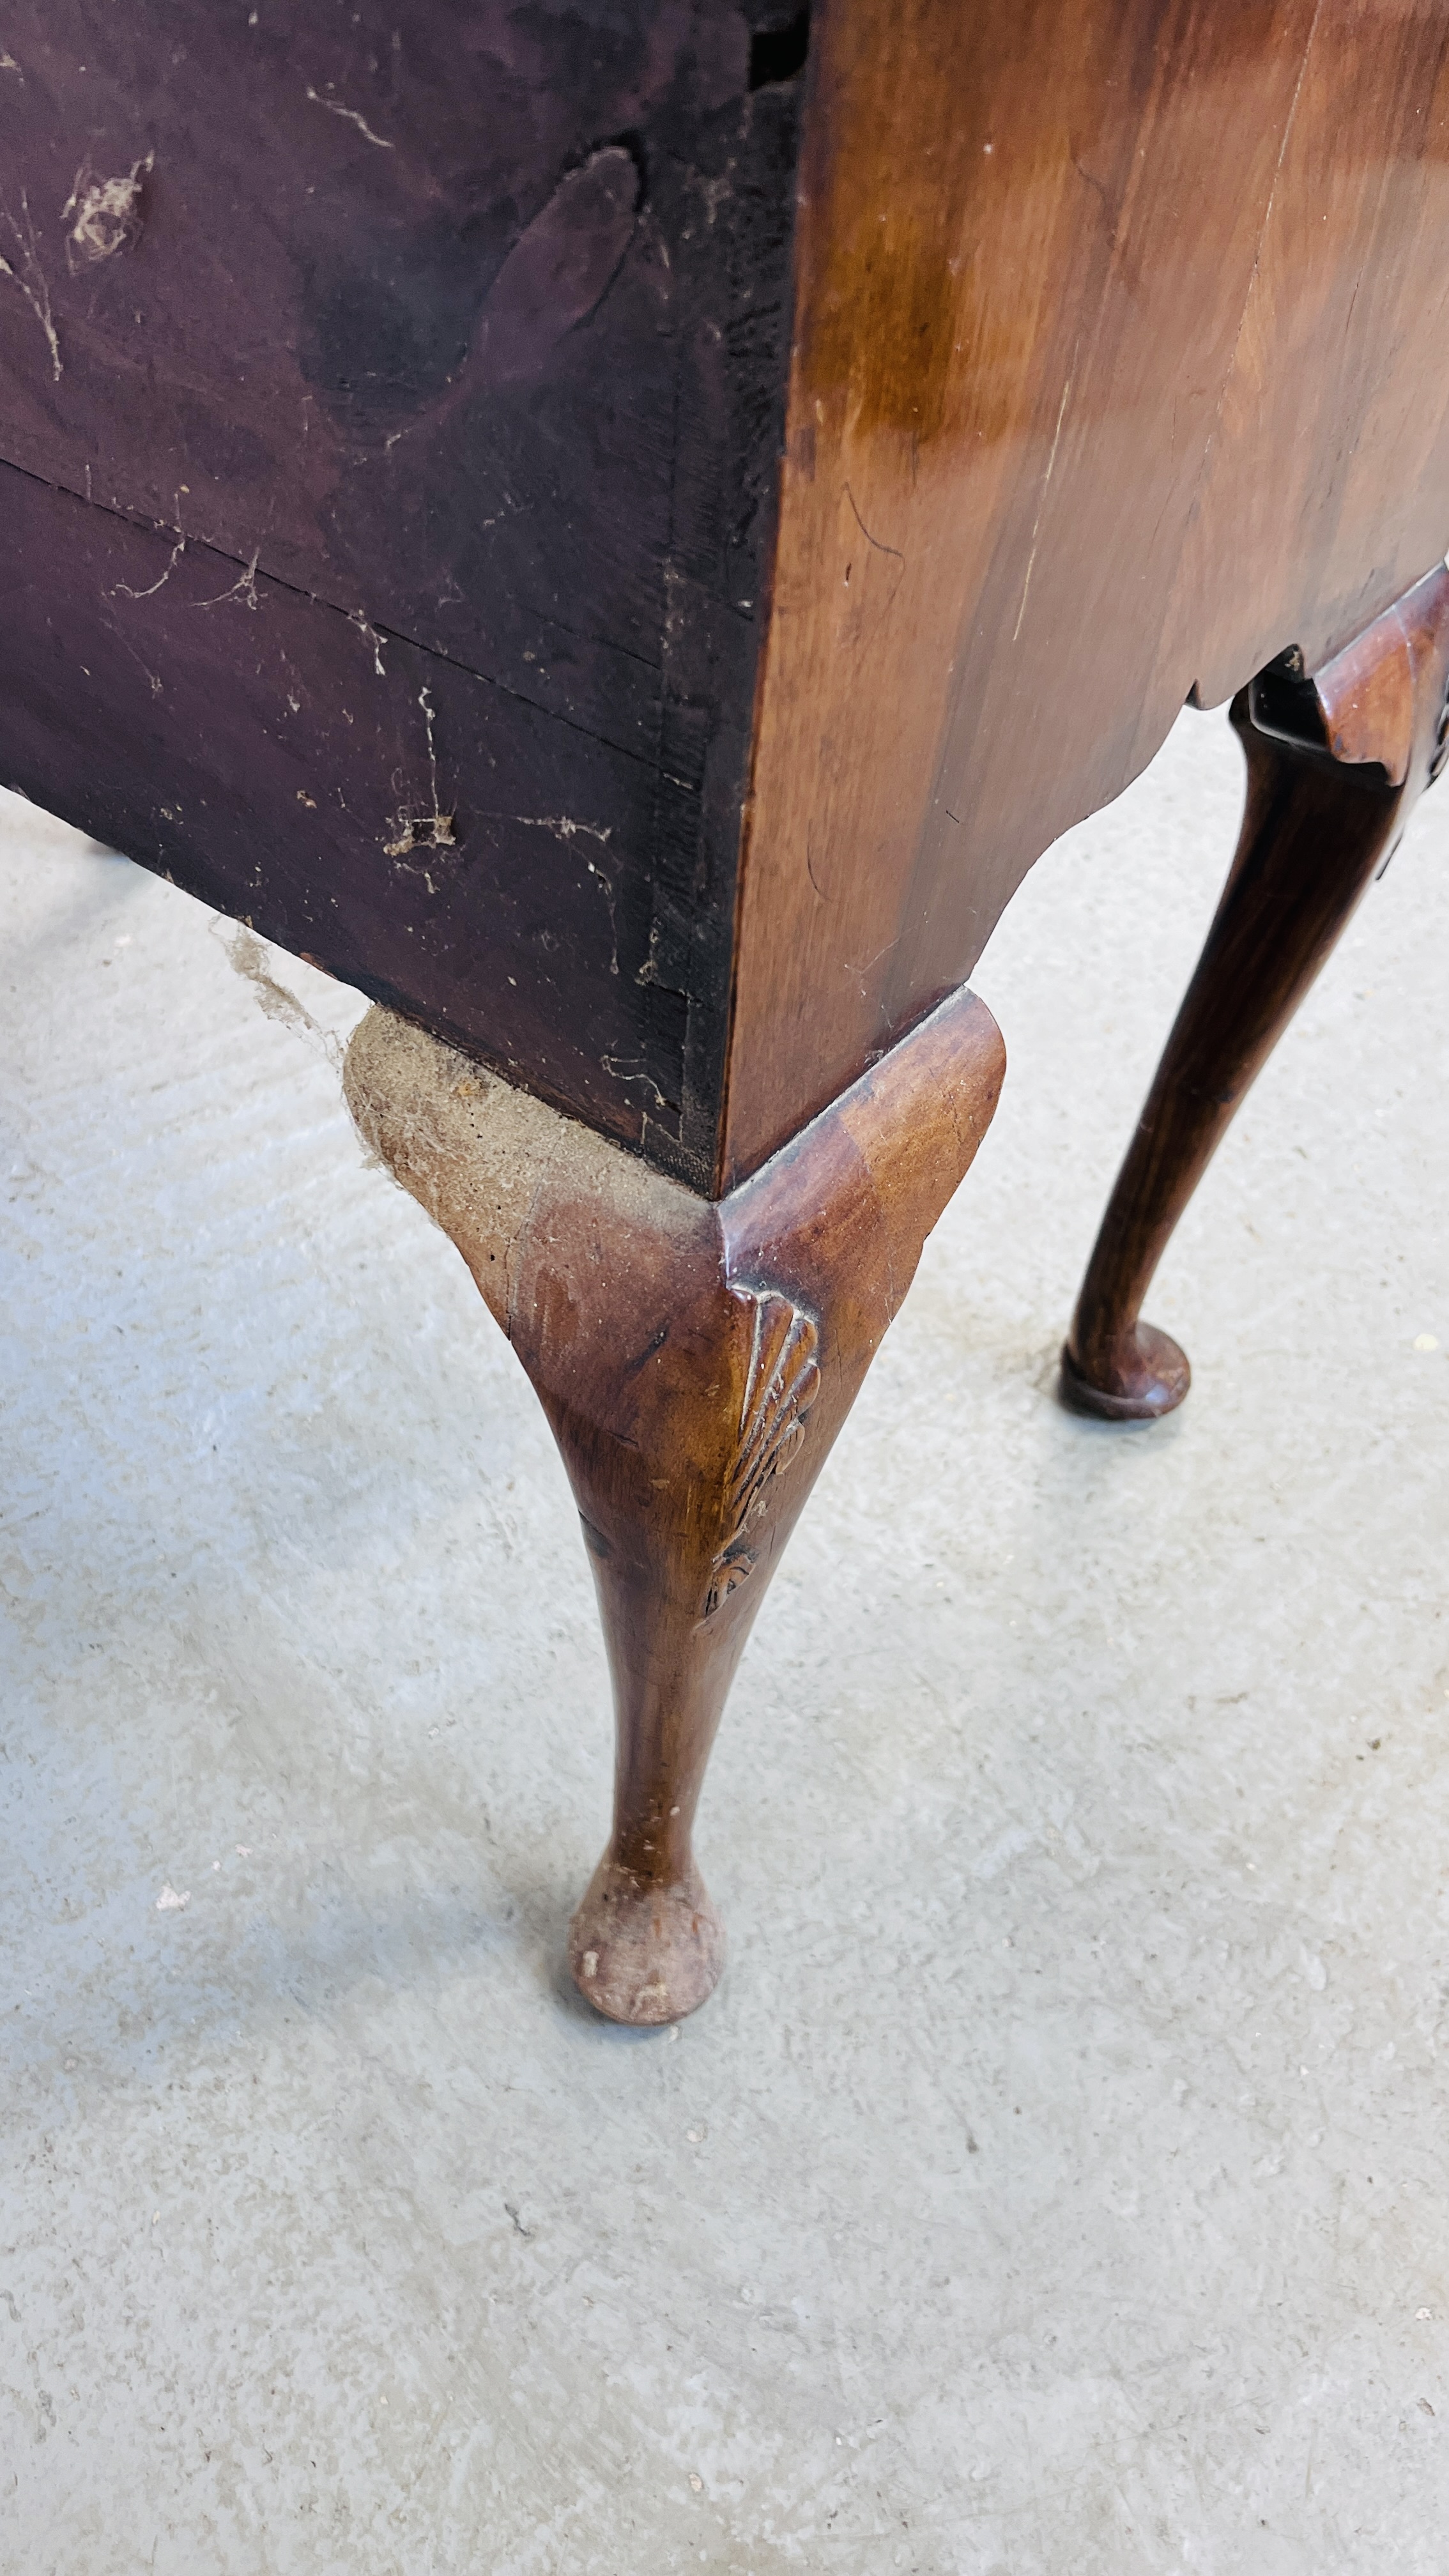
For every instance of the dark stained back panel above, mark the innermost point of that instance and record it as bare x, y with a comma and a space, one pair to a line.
424, 373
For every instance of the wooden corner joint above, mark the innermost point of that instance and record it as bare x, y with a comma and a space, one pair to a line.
1382, 703
696, 1359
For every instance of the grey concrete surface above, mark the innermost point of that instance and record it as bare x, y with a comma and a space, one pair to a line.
1056, 2185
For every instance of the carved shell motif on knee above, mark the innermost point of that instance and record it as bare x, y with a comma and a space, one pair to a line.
782, 1381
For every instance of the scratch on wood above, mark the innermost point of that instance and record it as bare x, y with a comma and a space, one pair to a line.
107, 212
359, 618
244, 588
865, 532
432, 831
863, 969
632, 1072
565, 828
335, 107
31, 279
123, 589
1041, 505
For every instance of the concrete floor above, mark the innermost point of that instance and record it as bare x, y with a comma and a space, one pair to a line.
1056, 2185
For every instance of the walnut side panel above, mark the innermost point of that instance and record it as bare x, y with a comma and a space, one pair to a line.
1045, 256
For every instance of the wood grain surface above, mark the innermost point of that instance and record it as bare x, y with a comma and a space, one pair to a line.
696, 1362
1118, 369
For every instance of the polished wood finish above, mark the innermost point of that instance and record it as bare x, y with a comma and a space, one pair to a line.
1117, 370
696, 1362
1335, 765
1323, 495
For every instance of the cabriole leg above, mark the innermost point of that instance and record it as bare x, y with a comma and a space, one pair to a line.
695, 1359
1335, 764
